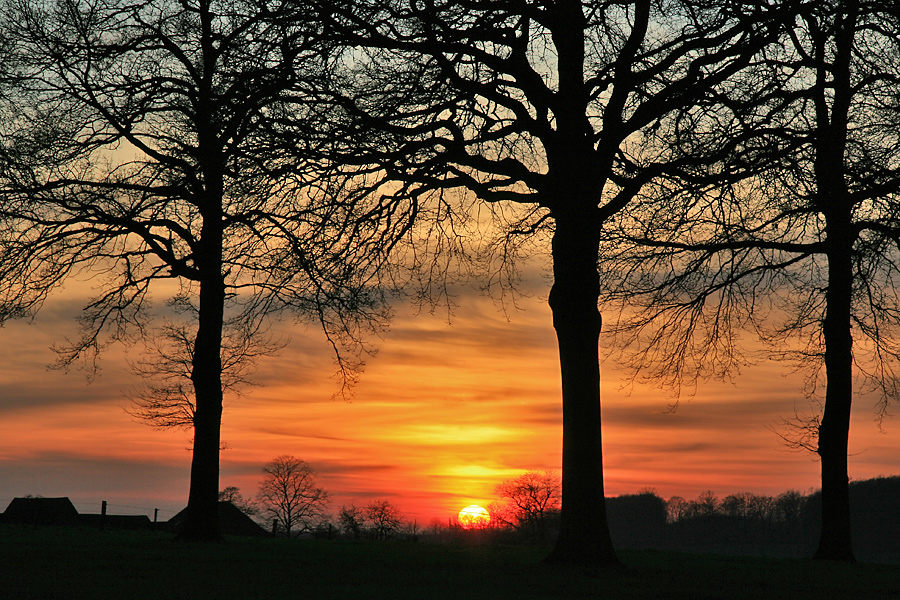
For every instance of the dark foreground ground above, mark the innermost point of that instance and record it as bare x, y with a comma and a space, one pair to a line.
83, 563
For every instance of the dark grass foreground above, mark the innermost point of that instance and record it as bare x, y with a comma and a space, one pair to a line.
82, 563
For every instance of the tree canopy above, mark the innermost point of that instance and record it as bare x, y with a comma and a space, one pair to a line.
566, 110
176, 146
803, 250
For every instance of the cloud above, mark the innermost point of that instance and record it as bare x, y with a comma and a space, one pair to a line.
335, 467
284, 431
441, 415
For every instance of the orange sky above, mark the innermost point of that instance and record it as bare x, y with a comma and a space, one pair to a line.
442, 414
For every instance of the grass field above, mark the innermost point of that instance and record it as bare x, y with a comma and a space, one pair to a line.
82, 563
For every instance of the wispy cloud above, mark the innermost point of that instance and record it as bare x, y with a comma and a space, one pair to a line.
441, 415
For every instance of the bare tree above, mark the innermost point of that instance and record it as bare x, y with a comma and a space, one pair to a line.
379, 520
384, 519
165, 397
707, 504
805, 252
789, 506
157, 142
748, 506
677, 508
562, 111
288, 493
352, 520
530, 500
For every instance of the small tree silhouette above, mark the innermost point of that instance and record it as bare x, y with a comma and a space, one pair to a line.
384, 517
530, 500
288, 493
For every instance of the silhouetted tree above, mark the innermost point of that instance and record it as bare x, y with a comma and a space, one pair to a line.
677, 508
383, 518
789, 506
805, 252
352, 520
166, 398
706, 504
171, 145
289, 493
747, 506
530, 500
561, 109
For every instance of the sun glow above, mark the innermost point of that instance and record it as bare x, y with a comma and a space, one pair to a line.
474, 517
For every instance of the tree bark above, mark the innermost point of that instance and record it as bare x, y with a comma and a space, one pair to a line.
572, 196
584, 533
835, 542
836, 203
201, 523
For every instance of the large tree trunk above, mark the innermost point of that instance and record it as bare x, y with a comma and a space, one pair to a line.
577, 181
836, 205
835, 541
584, 533
201, 523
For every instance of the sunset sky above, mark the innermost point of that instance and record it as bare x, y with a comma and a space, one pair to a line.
442, 414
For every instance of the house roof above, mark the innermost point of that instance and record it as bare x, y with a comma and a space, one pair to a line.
41, 511
232, 521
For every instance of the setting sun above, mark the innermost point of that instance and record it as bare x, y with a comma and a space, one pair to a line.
474, 517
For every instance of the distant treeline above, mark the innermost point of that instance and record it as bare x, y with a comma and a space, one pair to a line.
786, 525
